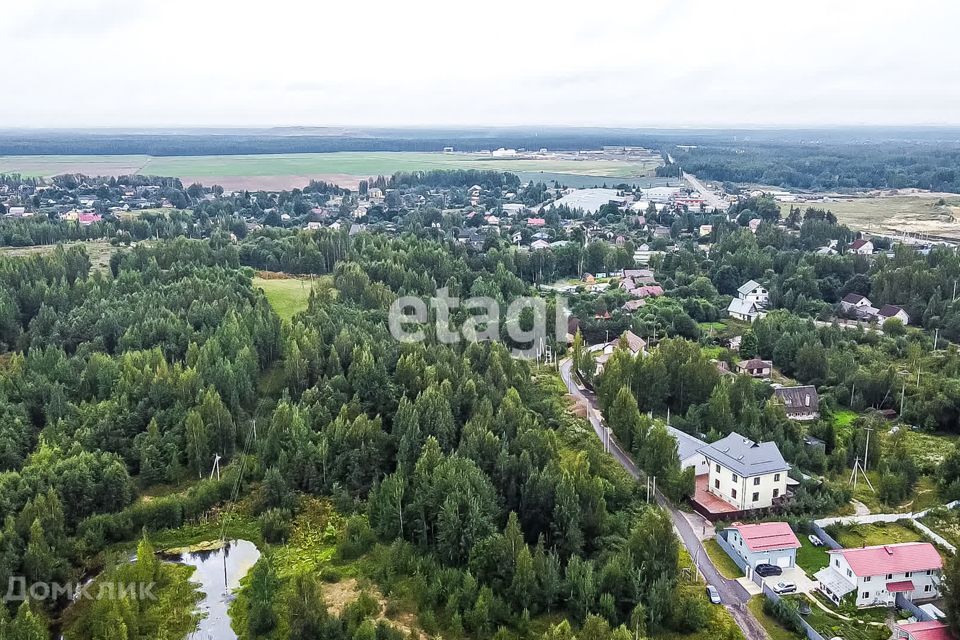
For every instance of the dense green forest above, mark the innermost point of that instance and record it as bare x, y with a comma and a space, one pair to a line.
461, 460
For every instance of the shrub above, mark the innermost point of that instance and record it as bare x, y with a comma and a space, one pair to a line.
275, 525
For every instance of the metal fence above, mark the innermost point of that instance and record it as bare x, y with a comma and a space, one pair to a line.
812, 634
824, 536
921, 615
722, 541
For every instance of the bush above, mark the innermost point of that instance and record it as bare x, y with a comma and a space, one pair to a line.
357, 538
330, 575
785, 613
275, 525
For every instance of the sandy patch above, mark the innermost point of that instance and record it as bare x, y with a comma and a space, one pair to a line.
338, 595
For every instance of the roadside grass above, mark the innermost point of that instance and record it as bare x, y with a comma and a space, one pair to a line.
287, 296
877, 533
771, 625
810, 558
830, 626
723, 562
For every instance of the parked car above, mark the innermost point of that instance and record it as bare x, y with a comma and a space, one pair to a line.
713, 594
784, 587
814, 540
767, 570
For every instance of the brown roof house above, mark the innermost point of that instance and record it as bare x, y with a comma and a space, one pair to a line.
800, 403
755, 367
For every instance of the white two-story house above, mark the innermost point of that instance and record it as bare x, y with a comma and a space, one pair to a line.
750, 302
877, 574
746, 474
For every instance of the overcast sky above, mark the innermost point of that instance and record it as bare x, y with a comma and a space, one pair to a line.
642, 63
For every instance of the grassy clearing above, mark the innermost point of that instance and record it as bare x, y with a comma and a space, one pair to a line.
923, 497
99, 251
946, 523
723, 562
913, 214
865, 535
929, 448
810, 558
774, 629
287, 296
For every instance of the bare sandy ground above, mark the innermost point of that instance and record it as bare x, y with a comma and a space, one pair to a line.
272, 183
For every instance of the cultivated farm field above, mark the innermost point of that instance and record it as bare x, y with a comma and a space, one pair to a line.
284, 171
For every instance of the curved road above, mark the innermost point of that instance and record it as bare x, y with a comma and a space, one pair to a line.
732, 593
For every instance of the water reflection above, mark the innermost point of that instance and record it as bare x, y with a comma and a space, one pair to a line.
218, 573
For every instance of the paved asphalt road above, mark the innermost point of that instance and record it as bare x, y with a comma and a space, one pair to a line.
732, 593
712, 200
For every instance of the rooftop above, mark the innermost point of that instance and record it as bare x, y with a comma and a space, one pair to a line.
931, 630
687, 445
892, 558
766, 536
745, 457
748, 286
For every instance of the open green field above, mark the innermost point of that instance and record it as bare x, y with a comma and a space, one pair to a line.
98, 250
287, 296
895, 214
273, 170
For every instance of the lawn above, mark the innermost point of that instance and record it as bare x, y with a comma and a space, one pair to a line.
724, 563
860, 535
831, 626
843, 418
287, 296
774, 629
810, 558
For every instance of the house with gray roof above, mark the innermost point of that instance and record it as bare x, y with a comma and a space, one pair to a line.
800, 403
746, 474
688, 451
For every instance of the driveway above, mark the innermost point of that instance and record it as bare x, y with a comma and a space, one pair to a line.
732, 594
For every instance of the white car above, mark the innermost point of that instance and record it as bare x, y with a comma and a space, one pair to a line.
814, 540
713, 594
784, 587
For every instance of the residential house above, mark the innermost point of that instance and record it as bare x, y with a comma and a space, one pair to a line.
862, 247
753, 291
516, 237
539, 244
744, 310
647, 291
763, 543
800, 403
705, 230
754, 224
637, 273
927, 630
755, 367
87, 219
688, 451
746, 474
632, 305
536, 222
852, 302
889, 311
313, 226
875, 575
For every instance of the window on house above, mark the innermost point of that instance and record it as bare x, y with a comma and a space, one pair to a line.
776, 493
864, 595
733, 493
867, 579
908, 574
756, 481
929, 572
756, 496
926, 587
718, 468
849, 573
836, 562
735, 478
889, 575
776, 477
716, 484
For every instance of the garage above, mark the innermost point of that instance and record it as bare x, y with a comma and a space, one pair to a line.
784, 562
